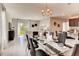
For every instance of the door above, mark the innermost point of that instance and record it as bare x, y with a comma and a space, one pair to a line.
22, 29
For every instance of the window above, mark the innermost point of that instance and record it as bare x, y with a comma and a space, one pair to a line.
22, 29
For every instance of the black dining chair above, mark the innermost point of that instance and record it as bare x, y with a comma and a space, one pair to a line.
76, 50
34, 52
28, 44
35, 42
68, 37
61, 37
78, 36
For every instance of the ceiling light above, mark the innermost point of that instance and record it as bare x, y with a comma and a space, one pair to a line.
46, 11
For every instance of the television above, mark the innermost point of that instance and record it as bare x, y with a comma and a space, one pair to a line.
11, 35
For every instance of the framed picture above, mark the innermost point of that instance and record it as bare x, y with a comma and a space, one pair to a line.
35, 24
58, 25
54, 23
32, 25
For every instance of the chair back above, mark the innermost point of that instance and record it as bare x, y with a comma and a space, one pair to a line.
32, 49
28, 44
78, 36
61, 37
76, 50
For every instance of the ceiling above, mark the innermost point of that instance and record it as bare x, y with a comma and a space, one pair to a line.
33, 10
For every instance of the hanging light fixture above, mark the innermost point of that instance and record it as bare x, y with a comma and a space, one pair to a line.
46, 11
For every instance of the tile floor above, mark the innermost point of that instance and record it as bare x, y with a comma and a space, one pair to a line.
15, 49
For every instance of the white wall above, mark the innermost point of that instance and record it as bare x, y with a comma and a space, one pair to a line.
0, 27
65, 26
45, 23
4, 28
34, 28
55, 28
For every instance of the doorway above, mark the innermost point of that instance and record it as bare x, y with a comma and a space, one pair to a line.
22, 29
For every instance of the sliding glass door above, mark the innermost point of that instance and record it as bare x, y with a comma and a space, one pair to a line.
22, 29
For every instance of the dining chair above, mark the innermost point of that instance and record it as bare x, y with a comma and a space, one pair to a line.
34, 52
76, 50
